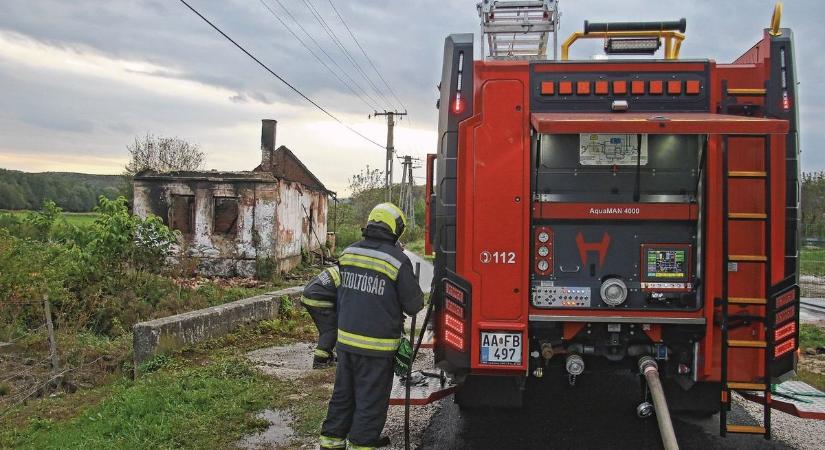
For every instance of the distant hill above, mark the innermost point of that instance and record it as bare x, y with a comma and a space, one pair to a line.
71, 191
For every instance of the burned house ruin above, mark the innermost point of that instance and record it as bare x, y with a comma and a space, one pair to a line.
241, 223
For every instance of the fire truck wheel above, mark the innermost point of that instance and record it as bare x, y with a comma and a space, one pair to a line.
490, 391
701, 400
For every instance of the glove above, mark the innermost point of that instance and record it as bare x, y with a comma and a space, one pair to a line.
403, 357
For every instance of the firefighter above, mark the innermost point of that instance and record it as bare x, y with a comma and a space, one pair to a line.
377, 285
319, 300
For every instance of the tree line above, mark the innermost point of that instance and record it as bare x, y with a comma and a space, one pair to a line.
74, 192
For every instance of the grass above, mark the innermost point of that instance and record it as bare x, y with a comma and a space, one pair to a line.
192, 407
79, 219
417, 247
204, 396
811, 336
812, 261
814, 379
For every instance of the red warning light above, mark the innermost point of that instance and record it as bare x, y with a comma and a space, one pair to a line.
454, 324
454, 340
786, 101
785, 331
784, 347
458, 104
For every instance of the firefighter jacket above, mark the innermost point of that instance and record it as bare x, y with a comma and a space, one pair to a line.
377, 284
321, 291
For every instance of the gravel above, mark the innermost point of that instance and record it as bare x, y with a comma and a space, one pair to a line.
793, 431
420, 416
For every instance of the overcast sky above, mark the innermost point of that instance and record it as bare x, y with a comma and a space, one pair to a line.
80, 79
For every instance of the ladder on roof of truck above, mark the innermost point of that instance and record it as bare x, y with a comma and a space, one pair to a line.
518, 29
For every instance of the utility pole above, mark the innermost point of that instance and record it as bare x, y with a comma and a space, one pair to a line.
406, 196
390, 148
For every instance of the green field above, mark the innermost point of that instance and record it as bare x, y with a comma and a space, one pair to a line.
417, 247
813, 261
77, 219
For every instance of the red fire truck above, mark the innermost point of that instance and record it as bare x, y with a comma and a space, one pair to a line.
598, 214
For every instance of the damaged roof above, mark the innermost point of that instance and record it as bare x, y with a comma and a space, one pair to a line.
287, 166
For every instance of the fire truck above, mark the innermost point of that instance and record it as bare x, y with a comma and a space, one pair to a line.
615, 212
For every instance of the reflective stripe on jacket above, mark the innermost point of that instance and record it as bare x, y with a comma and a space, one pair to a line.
322, 290
377, 284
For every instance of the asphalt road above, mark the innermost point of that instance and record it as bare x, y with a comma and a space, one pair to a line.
595, 414
812, 310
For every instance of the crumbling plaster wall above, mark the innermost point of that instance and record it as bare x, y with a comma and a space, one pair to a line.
297, 203
272, 222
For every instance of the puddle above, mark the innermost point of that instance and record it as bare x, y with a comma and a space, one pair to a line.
278, 433
289, 361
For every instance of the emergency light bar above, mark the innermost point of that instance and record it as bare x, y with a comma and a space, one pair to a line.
632, 46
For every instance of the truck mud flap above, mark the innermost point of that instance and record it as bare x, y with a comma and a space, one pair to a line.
424, 392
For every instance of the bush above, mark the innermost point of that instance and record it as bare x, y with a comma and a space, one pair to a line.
92, 275
346, 235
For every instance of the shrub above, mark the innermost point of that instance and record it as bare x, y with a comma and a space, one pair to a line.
100, 276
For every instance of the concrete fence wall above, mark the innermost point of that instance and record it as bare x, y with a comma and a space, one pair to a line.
173, 332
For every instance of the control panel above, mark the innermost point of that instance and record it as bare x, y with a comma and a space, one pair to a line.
666, 267
545, 296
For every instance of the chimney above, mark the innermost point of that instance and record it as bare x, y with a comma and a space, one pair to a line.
268, 127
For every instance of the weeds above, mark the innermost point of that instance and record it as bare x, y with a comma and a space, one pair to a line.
811, 336
154, 364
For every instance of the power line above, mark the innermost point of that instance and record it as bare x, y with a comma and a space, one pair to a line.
343, 48
320, 47
298, 38
369, 60
281, 79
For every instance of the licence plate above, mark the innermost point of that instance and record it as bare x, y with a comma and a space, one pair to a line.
501, 348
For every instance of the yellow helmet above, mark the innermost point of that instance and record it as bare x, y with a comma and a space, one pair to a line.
390, 216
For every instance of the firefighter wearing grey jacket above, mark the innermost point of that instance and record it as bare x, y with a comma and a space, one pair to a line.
319, 300
377, 286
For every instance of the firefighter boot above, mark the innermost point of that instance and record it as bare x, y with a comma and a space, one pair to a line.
322, 359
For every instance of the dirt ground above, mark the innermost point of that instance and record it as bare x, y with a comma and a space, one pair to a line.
812, 286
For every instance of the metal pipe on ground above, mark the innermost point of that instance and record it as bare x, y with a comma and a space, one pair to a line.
650, 370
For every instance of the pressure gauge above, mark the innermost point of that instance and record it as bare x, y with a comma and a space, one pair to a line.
544, 237
543, 266
544, 251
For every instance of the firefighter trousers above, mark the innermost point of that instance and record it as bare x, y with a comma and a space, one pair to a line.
326, 320
358, 407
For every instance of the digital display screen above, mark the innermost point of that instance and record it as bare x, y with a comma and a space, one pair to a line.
666, 263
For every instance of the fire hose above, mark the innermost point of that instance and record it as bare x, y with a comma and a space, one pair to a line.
416, 347
650, 370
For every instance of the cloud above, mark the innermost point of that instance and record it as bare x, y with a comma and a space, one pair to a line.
85, 76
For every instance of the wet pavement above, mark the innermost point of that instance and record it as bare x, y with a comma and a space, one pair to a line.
278, 432
289, 361
595, 414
